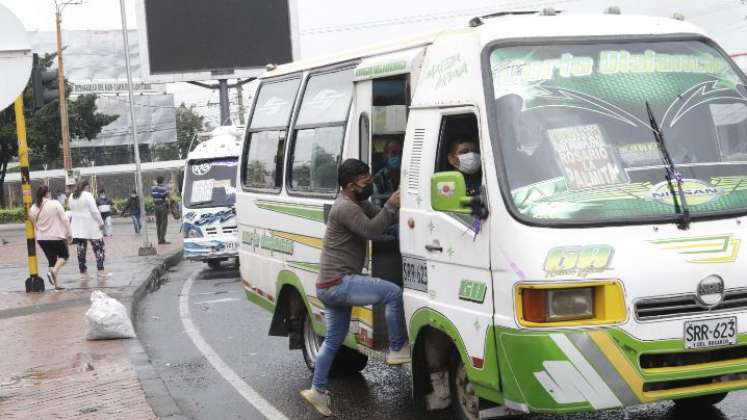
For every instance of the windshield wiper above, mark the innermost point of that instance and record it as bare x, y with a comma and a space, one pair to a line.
672, 174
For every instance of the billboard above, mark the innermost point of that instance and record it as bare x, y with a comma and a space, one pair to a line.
191, 40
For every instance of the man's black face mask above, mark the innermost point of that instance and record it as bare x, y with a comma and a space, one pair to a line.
364, 193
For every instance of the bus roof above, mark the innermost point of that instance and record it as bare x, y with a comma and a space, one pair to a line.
222, 142
513, 27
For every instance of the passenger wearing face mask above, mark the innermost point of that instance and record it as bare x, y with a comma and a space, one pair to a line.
464, 156
352, 222
386, 180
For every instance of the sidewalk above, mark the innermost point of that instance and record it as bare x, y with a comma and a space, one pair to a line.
49, 370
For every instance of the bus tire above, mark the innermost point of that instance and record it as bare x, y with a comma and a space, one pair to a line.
347, 361
214, 264
465, 404
700, 403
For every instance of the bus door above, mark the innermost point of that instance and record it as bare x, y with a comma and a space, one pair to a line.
382, 99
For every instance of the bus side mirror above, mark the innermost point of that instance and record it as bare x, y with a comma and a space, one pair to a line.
449, 192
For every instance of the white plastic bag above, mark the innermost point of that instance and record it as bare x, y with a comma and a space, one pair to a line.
107, 318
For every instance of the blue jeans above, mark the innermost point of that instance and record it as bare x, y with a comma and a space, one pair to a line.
356, 290
136, 222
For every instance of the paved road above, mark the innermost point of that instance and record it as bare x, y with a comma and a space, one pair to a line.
236, 332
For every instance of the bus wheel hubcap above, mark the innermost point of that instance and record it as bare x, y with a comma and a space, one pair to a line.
312, 341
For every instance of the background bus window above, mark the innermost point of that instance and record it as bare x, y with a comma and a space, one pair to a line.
211, 183
264, 159
319, 132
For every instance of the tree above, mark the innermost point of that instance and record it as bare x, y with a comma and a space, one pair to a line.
188, 124
43, 129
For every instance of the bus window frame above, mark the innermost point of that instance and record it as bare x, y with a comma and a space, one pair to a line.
294, 129
249, 131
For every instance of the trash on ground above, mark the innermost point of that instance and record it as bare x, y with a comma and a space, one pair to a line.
107, 318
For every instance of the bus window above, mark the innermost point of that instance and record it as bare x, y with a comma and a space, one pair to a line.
264, 147
319, 132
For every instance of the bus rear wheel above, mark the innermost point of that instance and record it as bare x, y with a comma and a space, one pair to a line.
347, 361
465, 404
214, 263
700, 403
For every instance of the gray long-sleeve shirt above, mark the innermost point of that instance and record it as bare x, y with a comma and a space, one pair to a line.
349, 226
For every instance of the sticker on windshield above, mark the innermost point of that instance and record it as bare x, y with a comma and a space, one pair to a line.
202, 191
201, 169
585, 158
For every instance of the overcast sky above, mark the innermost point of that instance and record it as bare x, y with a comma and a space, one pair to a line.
331, 25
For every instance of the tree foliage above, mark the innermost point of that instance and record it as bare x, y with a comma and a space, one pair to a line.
188, 124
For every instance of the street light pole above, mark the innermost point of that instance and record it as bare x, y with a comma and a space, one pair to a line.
67, 161
147, 248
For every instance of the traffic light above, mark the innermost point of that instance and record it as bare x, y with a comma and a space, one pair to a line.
43, 85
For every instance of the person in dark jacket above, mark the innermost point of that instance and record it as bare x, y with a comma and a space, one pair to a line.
162, 202
133, 209
104, 203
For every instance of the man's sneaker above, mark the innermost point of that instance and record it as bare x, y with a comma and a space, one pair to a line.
400, 356
320, 400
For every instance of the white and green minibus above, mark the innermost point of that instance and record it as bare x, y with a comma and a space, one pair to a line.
600, 264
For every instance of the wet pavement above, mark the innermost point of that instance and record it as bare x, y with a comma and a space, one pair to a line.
237, 331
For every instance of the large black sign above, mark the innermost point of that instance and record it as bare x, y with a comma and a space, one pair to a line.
211, 35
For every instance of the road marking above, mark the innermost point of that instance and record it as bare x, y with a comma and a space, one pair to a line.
246, 391
224, 300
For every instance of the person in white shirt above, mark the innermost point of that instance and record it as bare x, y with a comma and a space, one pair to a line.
52, 232
87, 226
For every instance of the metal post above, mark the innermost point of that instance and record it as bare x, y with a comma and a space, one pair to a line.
67, 161
240, 94
225, 112
33, 283
147, 248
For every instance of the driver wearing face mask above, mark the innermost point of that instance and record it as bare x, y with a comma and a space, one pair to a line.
464, 156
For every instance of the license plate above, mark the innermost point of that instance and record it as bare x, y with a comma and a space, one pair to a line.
230, 245
706, 333
415, 274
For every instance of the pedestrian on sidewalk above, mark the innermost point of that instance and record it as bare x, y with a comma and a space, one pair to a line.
53, 232
161, 201
87, 226
133, 209
104, 204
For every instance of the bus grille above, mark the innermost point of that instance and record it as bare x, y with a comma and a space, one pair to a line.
675, 360
686, 383
681, 305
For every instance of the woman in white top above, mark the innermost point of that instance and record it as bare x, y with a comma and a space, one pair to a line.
52, 231
87, 226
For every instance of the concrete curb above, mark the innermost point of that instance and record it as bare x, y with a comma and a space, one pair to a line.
156, 394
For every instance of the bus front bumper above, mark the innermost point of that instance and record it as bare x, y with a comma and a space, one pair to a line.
595, 369
206, 249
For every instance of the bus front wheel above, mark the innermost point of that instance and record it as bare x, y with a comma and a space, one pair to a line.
700, 403
347, 361
465, 404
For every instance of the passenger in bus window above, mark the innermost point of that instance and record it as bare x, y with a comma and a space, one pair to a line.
386, 180
353, 221
464, 156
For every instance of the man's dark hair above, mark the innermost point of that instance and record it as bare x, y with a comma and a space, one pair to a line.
159, 179
350, 170
102, 191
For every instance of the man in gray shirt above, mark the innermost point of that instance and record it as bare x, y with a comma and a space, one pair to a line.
340, 286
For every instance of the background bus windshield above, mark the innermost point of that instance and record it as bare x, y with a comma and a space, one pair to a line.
577, 143
210, 183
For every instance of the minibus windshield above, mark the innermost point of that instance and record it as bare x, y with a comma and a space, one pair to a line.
575, 135
210, 182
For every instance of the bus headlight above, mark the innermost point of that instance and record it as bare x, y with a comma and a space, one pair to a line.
559, 304
193, 233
